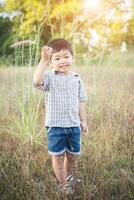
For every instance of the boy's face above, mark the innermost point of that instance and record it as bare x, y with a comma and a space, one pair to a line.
61, 61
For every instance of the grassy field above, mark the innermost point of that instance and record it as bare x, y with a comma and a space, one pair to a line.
106, 164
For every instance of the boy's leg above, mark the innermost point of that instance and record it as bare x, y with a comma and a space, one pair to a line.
69, 164
73, 150
56, 145
57, 163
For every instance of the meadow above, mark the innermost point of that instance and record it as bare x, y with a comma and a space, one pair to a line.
106, 164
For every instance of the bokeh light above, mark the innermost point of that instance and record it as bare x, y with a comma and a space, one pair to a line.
91, 4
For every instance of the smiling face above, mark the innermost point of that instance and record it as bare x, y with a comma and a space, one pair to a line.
61, 61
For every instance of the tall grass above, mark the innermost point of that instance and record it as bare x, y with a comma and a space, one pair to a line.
115, 58
106, 164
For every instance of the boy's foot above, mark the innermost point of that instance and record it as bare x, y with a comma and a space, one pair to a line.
66, 189
73, 181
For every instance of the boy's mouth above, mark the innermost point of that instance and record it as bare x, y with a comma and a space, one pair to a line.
62, 66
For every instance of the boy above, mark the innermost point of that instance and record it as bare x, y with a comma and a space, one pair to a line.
65, 109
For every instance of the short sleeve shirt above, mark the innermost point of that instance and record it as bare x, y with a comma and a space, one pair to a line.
63, 96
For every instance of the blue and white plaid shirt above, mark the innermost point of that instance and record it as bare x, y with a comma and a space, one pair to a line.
63, 94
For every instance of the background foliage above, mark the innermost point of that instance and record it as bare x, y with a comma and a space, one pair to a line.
91, 31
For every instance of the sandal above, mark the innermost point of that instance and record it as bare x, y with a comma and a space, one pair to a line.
73, 180
66, 189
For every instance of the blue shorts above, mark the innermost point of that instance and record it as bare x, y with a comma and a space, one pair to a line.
61, 140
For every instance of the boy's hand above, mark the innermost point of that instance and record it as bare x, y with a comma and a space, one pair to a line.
46, 53
84, 127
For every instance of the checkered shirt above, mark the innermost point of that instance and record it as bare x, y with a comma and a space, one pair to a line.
63, 94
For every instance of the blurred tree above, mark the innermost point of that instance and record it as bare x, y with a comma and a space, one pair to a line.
130, 32
89, 30
45, 17
6, 36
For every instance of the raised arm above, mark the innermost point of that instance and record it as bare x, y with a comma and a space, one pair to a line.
42, 66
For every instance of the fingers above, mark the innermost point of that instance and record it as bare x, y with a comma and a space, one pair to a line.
46, 49
84, 128
46, 52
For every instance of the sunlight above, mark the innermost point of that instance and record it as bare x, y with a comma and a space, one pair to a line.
91, 4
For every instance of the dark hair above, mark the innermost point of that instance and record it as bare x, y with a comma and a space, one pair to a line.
59, 44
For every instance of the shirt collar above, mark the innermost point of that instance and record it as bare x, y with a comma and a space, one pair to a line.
69, 73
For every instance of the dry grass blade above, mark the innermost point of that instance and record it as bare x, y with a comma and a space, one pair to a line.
22, 43
124, 174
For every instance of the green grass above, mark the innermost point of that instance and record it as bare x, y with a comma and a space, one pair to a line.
106, 164
114, 59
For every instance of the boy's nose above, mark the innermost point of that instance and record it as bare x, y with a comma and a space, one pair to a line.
63, 62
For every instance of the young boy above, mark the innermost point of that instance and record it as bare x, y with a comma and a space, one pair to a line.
65, 109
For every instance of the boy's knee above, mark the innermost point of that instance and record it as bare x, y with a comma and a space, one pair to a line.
58, 157
70, 156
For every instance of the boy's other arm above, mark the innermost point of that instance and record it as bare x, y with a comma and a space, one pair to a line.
83, 117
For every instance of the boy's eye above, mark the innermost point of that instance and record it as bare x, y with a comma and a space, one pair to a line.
66, 56
57, 58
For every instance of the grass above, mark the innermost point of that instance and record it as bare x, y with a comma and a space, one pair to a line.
113, 59
106, 164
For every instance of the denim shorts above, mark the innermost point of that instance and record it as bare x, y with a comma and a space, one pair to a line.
61, 140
